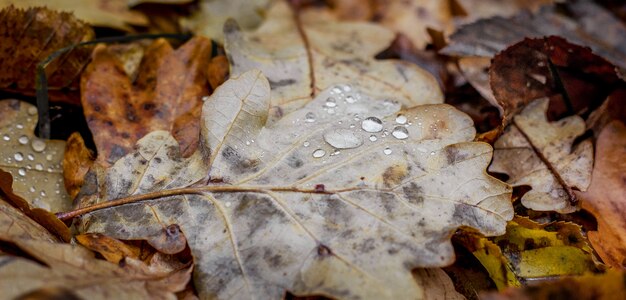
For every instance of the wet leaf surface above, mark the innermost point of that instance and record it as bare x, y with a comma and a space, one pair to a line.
294, 205
34, 163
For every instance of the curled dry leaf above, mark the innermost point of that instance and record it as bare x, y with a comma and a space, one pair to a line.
606, 196
166, 94
103, 13
576, 80
301, 58
340, 198
531, 250
34, 163
541, 154
46, 31
76, 270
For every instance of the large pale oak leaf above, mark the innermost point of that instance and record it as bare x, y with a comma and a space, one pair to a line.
328, 202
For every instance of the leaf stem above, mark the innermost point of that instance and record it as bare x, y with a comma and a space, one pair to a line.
68, 215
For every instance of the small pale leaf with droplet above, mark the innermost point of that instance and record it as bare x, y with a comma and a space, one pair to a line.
34, 163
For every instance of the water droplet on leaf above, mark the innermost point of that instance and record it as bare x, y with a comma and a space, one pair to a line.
387, 151
372, 124
343, 139
23, 140
373, 138
331, 102
18, 156
400, 133
309, 117
32, 110
38, 145
319, 153
401, 119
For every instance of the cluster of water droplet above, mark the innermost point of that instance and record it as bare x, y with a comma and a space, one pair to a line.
344, 94
28, 160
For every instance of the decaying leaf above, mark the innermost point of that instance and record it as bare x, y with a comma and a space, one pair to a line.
585, 23
165, 94
301, 63
105, 13
209, 19
607, 286
541, 154
76, 163
111, 249
606, 196
338, 198
37, 33
75, 269
576, 80
531, 250
611, 109
34, 163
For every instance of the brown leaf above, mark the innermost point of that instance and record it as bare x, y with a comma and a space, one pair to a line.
75, 269
581, 22
541, 154
103, 13
112, 249
576, 79
166, 95
613, 108
76, 162
29, 36
218, 71
606, 196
